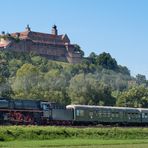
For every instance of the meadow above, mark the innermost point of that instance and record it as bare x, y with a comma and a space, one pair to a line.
78, 143
65, 137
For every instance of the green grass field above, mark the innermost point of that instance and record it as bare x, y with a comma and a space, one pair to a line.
66, 143
69, 137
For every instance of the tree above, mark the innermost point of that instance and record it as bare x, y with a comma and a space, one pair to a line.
4, 70
36, 60
134, 97
5, 88
141, 79
124, 70
27, 78
78, 49
106, 61
85, 89
93, 57
56, 87
14, 65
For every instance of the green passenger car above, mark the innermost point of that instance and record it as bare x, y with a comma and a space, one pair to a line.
84, 114
132, 115
144, 115
87, 114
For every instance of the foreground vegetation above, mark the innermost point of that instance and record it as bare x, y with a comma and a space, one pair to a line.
98, 80
63, 137
11, 133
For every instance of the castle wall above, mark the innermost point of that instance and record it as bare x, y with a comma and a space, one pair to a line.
17, 46
45, 38
47, 49
53, 52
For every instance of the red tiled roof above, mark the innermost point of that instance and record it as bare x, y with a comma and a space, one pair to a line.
40, 37
25, 33
2, 45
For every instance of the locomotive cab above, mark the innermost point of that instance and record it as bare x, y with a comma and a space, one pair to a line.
46, 110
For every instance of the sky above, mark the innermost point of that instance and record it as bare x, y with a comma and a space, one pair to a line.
118, 27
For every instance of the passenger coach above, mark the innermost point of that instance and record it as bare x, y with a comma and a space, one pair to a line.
86, 114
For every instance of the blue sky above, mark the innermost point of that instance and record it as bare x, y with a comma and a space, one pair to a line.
119, 27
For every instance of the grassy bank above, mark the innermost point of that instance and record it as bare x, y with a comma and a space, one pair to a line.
10, 133
78, 143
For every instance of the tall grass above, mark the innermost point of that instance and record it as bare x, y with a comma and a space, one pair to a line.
9, 133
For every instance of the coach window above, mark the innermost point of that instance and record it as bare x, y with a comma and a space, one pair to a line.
45, 106
120, 114
99, 113
133, 115
136, 115
113, 114
96, 114
143, 115
146, 115
108, 114
117, 114
80, 112
103, 114
91, 114
129, 116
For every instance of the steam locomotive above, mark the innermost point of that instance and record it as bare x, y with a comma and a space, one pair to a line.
33, 112
26, 112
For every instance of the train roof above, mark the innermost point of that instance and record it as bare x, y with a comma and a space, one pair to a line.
96, 107
143, 109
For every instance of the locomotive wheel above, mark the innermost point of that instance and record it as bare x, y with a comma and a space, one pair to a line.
28, 119
19, 117
16, 117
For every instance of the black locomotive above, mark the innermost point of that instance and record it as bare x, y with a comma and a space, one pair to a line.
32, 112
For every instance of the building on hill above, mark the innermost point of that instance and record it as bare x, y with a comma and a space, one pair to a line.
53, 46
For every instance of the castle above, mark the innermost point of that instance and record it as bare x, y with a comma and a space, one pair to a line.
53, 46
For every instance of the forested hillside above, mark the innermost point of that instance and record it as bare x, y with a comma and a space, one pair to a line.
98, 80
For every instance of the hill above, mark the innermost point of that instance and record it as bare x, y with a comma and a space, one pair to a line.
98, 80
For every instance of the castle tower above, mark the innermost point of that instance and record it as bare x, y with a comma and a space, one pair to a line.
54, 30
28, 28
